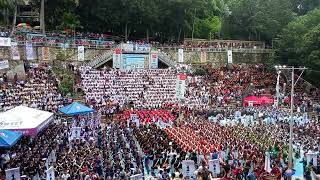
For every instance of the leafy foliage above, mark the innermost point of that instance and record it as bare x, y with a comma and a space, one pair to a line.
299, 44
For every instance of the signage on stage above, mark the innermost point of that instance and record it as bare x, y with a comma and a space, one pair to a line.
117, 58
5, 41
154, 60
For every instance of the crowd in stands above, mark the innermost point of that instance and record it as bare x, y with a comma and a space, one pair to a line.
143, 88
39, 91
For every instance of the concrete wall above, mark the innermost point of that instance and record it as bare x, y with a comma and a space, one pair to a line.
189, 56
221, 57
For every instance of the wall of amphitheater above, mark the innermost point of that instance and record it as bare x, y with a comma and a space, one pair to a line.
190, 56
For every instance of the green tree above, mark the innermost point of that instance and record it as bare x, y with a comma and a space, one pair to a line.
299, 44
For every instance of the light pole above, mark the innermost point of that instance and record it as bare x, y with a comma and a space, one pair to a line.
293, 83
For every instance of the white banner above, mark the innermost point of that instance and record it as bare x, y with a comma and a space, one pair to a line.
29, 51
50, 174
4, 64
13, 174
80, 53
153, 60
75, 133
127, 47
181, 86
312, 157
15, 51
230, 60
188, 168
117, 58
180, 56
136, 177
214, 166
5, 41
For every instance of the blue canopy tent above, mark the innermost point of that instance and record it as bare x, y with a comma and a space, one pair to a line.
75, 109
9, 138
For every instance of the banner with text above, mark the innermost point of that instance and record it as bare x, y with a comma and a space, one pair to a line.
5, 41
181, 86
214, 166
188, 168
4, 64
230, 60
13, 174
117, 58
29, 51
50, 174
203, 57
15, 51
154, 60
80, 53
180, 56
45, 54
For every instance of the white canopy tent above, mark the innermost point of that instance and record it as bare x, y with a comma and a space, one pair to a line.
27, 120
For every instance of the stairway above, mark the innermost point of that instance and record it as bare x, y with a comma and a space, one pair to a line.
166, 59
101, 59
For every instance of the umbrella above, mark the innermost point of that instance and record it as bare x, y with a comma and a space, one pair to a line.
9, 138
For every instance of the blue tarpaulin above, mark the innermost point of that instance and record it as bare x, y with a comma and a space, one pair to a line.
9, 138
75, 109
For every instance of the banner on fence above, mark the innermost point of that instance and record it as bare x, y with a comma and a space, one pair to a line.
180, 56
45, 54
230, 60
142, 48
15, 51
154, 60
13, 174
188, 168
5, 41
203, 57
117, 58
4, 64
29, 51
80, 53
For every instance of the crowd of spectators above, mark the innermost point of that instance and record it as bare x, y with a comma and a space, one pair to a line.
39, 91
142, 88
222, 44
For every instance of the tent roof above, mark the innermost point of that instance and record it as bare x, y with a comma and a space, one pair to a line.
9, 138
251, 98
75, 108
22, 117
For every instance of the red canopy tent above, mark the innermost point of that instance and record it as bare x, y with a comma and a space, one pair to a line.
266, 100
253, 99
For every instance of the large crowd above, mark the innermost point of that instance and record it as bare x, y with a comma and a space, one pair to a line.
141, 129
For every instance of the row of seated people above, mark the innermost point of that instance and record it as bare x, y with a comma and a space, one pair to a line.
76, 158
224, 84
238, 156
38, 91
121, 153
143, 88
148, 116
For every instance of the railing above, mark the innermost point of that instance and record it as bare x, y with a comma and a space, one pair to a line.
166, 59
59, 45
242, 50
100, 60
